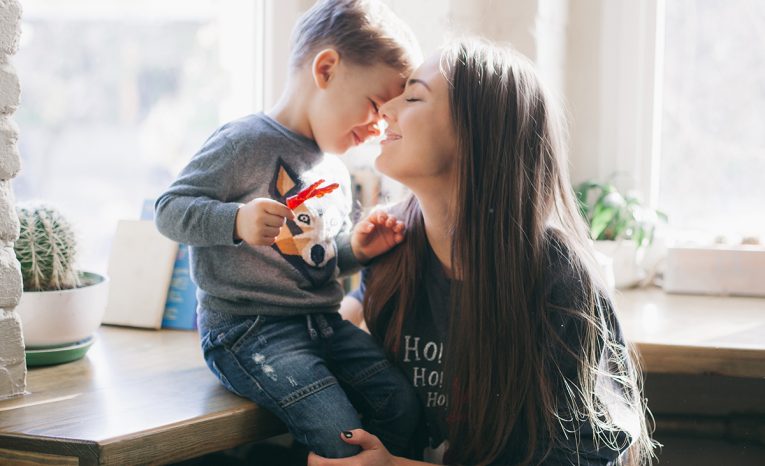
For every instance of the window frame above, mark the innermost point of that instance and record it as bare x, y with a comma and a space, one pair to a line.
632, 50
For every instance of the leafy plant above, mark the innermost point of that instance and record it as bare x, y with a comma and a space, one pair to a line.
46, 249
613, 216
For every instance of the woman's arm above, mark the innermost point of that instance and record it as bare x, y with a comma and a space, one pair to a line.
352, 307
569, 309
405, 462
352, 310
364, 459
373, 453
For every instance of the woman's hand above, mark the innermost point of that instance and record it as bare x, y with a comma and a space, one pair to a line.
373, 452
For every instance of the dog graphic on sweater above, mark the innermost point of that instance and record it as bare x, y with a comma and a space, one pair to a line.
308, 242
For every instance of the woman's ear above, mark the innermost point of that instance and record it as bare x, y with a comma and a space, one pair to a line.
324, 67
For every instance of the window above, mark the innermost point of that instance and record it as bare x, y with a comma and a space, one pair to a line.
713, 117
117, 96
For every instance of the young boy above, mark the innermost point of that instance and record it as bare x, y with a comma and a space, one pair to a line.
267, 273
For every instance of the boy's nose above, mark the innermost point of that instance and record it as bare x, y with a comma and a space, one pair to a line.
374, 129
368, 130
386, 111
375, 118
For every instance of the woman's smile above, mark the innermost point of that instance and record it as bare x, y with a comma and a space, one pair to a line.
390, 136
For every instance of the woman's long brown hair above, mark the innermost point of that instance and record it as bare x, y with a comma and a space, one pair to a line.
512, 198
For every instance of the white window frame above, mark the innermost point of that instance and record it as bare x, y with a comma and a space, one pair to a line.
632, 50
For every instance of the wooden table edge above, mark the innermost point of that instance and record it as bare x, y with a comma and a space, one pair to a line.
204, 434
85, 451
701, 360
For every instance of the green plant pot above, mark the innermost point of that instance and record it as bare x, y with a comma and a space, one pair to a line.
58, 354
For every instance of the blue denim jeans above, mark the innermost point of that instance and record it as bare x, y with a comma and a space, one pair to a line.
316, 372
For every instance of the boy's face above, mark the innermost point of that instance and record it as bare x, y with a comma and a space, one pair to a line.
345, 110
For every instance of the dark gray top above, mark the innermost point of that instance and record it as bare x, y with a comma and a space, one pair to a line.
425, 335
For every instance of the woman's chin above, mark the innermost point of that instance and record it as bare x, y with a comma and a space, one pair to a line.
382, 167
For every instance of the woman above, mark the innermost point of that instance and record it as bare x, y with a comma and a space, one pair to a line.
491, 306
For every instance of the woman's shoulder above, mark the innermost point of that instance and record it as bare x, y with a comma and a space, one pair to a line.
572, 295
566, 279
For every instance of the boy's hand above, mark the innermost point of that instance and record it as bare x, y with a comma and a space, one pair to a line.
258, 222
375, 235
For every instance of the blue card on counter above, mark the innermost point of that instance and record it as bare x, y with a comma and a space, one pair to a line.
181, 306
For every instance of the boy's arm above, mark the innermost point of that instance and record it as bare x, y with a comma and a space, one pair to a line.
347, 262
194, 209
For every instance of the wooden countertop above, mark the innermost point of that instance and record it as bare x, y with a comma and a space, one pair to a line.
691, 334
138, 396
145, 396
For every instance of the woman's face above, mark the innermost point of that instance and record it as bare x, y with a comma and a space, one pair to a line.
420, 144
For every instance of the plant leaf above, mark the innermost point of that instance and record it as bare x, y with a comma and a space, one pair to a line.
600, 221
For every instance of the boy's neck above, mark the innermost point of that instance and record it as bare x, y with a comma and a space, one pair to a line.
291, 110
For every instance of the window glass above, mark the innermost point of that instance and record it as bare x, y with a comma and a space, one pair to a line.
116, 97
712, 174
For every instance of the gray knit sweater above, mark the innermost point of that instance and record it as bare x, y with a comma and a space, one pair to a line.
249, 158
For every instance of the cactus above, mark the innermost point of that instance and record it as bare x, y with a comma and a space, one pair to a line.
46, 249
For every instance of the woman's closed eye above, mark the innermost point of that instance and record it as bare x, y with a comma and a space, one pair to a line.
413, 99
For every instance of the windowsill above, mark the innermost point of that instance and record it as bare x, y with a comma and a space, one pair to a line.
693, 334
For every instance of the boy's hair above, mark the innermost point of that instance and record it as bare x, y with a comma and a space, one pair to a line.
364, 32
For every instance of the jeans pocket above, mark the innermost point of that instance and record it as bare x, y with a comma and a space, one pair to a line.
251, 330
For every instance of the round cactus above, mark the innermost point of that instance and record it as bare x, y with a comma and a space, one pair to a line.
46, 249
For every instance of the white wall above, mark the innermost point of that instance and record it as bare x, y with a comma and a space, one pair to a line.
582, 87
501, 21
12, 361
280, 18
434, 22
613, 63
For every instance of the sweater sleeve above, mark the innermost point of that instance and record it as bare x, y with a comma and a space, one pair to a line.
346, 260
195, 209
347, 263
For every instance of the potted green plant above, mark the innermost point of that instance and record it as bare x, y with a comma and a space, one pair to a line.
60, 307
621, 227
